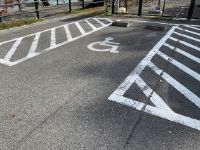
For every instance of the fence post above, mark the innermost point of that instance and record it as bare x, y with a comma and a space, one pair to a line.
19, 5
70, 7
113, 6
140, 8
57, 2
191, 9
36, 9
126, 5
83, 4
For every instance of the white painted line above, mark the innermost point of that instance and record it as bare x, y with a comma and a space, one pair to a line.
178, 86
68, 34
34, 33
13, 49
53, 37
80, 28
185, 43
33, 48
57, 45
154, 97
187, 36
165, 114
192, 57
154, 22
125, 85
195, 33
90, 24
184, 68
99, 21
192, 27
105, 19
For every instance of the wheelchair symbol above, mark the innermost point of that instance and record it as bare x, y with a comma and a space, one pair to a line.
107, 42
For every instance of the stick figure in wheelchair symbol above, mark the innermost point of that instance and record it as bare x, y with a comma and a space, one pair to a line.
107, 42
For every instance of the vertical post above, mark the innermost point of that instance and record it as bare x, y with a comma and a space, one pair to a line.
36, 9
163, 9
57, 2
158, 3
191, 9
140, 8
19, 5
83, 4
113, 6
126, 4
70, 6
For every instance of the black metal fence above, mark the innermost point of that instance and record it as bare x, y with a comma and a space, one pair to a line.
41, 9
171, 8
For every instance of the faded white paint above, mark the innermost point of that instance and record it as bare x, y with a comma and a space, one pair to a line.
161, 109
192, 57
33, 49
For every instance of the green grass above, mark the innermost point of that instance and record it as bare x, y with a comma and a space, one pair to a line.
20, 22
89, 11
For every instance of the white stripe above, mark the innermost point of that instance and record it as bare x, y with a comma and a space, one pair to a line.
165, 114
57, 45
180, 66
68, 34
13, 49
34, 45
140, 67
192, 27
186, 36
80, 28
188, 31
109, 20
154, 97
185, 43
192, 57
90, 24
99, 21
182, 89
53, 38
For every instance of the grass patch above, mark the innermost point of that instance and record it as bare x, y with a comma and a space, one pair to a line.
16, 23
89, 11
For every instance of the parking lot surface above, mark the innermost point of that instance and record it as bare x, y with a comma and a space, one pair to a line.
84, 84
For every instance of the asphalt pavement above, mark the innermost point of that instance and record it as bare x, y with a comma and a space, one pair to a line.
84, 84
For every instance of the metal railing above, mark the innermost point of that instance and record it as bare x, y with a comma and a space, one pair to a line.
170, 8
36, 8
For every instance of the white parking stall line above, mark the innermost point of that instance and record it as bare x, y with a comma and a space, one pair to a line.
80, 28
53, 37
195, 33
192, 27
161, 109
178, 86
68, 33
185, 43
154, 97
186, 54
32, 51
90, 24
33, 48
187, 36
97, 20
125, 85
182, 67
13, 49
163, 113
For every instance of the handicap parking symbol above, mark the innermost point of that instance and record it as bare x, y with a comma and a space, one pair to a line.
106, 43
